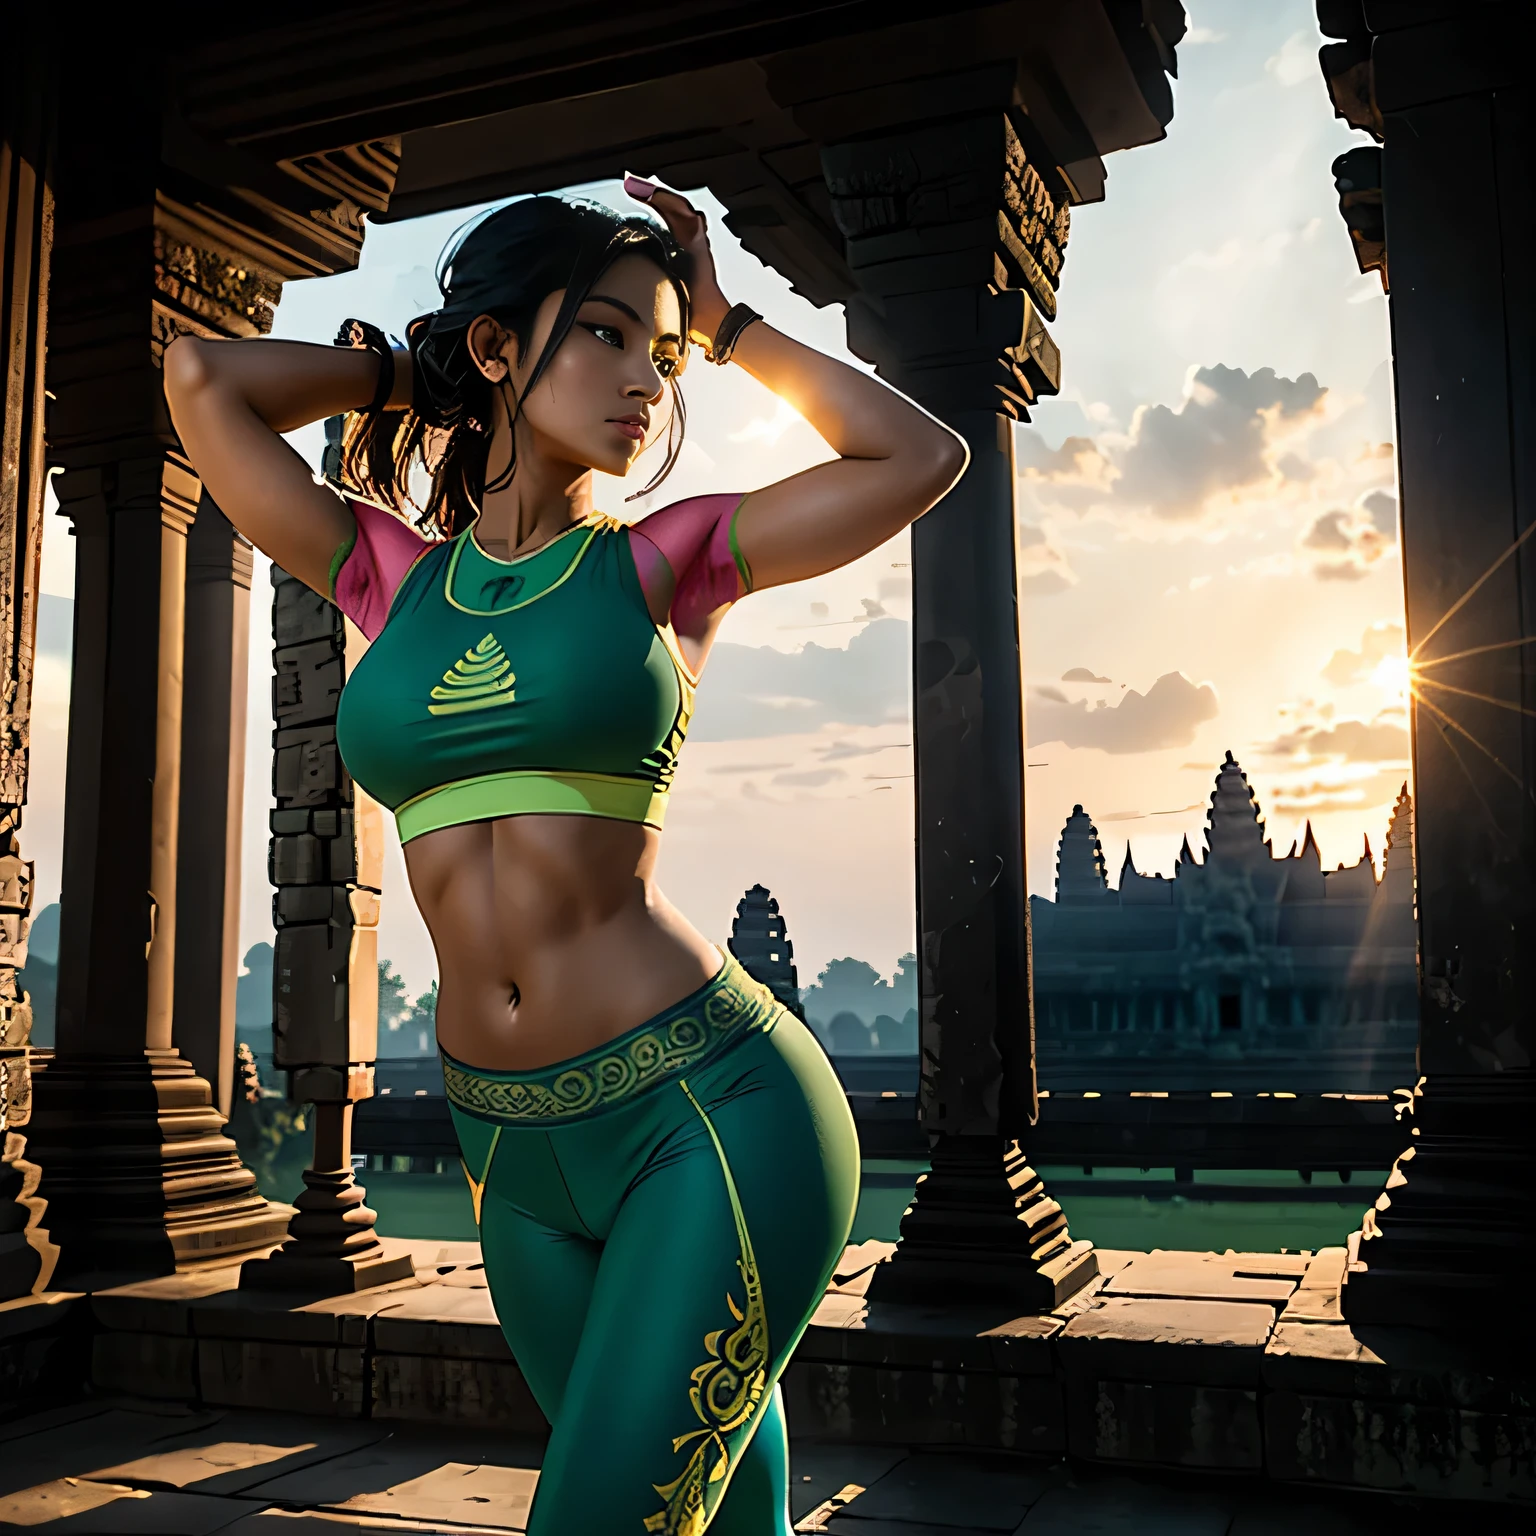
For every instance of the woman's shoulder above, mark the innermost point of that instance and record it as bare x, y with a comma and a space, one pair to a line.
371, 567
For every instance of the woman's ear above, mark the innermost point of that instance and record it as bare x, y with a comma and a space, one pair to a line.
489, 344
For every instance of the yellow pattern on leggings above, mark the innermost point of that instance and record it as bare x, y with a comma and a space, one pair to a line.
727, 1387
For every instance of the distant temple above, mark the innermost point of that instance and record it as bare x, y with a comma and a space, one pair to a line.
1242, 972
760, 941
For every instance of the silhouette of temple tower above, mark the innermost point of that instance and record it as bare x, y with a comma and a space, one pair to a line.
1080, 873
760, 941
1243, 965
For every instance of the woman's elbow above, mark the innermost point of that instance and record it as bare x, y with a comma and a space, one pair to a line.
187, 370
945, 460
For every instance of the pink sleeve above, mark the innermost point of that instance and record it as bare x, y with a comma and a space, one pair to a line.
693, 543
367, 571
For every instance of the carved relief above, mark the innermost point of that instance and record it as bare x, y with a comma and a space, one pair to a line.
208, 287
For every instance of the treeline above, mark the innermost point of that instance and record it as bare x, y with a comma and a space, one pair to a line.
853, 1008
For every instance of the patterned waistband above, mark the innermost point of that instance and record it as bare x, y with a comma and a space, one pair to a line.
677, 1040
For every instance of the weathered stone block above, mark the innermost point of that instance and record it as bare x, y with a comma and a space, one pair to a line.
1219, 1343
43, 1351
440, 1390
306, 681
924, 1407
893, 1334
154, 1365
1177, 1424
299, 614
306, 767
1400, 1446
1209, 1277
455, 1321
297, 1378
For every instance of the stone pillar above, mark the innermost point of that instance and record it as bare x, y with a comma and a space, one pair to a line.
327, 859
954, 236
216, 653
139, 1175
1451, 1240
27, 106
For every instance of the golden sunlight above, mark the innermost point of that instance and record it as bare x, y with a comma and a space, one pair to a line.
1392, 676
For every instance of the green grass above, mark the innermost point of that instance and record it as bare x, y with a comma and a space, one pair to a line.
437, 1206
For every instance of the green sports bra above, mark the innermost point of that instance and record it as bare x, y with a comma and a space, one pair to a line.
508, 687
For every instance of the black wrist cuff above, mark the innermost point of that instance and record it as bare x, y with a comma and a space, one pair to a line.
369, 338
737, 318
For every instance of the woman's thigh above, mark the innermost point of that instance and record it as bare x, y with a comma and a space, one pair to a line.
716, 1257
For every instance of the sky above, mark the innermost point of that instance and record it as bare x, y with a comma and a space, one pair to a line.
1207, 525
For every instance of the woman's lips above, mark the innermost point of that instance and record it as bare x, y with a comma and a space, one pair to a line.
630, 429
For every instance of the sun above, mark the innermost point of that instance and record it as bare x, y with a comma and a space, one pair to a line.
1392, 676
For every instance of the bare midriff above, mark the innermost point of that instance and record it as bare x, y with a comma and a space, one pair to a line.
552, 937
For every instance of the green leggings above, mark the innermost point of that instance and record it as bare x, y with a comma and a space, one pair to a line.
659, 1218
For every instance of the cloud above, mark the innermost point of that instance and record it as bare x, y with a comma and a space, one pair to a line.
1082, 675
1166, 716
755, 691
1380, 641
1296, 61
1381, 508
1043, 569
1382, 740
748, 767
810, 778
1213, 442
841, 749
1230, 437
55, 627
1312, 796
1345, 544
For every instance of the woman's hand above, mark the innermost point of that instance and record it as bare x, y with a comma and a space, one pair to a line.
690, 229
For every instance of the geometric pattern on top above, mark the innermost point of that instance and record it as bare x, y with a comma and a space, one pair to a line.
480, 679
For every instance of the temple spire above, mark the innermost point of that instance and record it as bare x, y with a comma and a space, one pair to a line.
1309, 848
1397, 860
1080, 872
1128, 864
1235, 829
760, 941
1399, 854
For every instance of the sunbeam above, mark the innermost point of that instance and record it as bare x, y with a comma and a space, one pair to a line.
1466, 596
1484, 698
1476, 650
1461, 730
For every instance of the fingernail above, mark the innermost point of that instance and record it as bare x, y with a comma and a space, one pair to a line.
638, 188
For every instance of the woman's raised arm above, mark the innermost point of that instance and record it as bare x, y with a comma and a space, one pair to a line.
231, 400
894, 459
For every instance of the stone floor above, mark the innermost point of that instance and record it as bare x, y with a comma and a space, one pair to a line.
1208, 1394
115, 1466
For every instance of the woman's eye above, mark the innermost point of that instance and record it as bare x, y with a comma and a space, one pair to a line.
610, 335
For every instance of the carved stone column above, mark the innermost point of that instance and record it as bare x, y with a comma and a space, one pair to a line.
159, 233
27, 105
327, 864
216, 655
954, 236
1451, 1240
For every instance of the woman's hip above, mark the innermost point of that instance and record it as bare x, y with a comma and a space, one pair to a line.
726, 1068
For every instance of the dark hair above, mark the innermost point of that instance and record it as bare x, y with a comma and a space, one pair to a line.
504, 266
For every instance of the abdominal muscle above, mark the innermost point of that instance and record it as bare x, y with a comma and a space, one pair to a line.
552, 937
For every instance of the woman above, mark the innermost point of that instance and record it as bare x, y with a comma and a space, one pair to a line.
663, 1166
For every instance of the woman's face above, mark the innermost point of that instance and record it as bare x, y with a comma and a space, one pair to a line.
603, 397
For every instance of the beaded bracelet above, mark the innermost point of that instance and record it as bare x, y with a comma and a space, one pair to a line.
360, 334
737, 318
